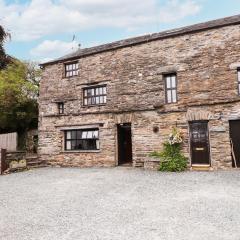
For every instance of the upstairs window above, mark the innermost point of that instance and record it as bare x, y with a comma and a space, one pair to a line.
71, 69
238, 74
95, 95
84, 139
60, 108
171, 88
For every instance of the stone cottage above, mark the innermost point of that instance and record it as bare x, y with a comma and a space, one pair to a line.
115, 103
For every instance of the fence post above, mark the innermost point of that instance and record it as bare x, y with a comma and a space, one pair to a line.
3, 164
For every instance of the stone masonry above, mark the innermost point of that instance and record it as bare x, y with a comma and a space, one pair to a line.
205, 60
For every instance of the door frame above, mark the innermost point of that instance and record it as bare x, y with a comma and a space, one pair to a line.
117, 141
209, 142
229, 121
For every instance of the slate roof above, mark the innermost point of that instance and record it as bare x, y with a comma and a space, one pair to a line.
233, 20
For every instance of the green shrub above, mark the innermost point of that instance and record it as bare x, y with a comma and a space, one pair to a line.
171, 158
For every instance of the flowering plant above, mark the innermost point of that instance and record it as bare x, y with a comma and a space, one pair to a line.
175, 137
171, 158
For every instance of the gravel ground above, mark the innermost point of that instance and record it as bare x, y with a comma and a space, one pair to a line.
119, 204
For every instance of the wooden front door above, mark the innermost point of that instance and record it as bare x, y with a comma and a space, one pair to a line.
199, 141
124, 143
235, 137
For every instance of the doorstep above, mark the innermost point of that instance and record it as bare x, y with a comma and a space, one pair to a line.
128, 164
201, 167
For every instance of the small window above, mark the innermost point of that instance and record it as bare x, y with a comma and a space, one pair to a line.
71, 69
238, 76
171, 88
84, 139
60, 108
95, 95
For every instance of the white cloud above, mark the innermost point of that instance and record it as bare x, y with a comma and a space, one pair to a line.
174, 11
48, 50
41, 18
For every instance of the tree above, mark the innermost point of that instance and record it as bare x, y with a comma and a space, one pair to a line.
18, 97
3, 57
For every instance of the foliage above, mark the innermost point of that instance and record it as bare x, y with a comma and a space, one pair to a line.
3, 57
171, 158
18, 98
175, 136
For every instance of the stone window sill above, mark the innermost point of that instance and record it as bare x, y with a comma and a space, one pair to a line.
82, 151
91, 106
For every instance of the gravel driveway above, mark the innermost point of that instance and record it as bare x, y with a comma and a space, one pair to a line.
119, 204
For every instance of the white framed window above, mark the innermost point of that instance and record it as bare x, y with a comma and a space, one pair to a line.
170, 88
96, 95
60, 107
71, 69
82, 139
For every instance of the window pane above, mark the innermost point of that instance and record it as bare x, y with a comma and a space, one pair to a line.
68, 145
239, 88
104, 90
97, 100
104, 99
88, 101
90, 134
97, 91
68, 134
79, 145
74, 145
91, 144
84, 145
169, 96
85, 101
74, 134
168, 82
95, 134
89, 92
173, 81
174, 96
100, 91
97, 144
92, 91
239, 75
79, 134
84, 134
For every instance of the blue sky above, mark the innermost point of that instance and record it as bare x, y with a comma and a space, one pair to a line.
43, 29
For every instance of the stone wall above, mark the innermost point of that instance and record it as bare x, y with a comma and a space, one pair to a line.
205, 63
32, 141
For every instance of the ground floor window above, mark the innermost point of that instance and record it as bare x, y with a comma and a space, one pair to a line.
82, 139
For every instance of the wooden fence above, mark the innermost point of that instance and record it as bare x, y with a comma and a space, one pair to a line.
8, 141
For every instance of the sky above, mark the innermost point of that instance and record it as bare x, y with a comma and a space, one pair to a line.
43, 30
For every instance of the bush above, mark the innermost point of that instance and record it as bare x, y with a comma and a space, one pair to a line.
171, 158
